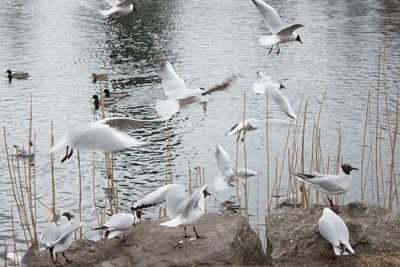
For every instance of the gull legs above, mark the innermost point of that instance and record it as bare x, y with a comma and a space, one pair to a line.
186, 235
197, 235
67, 156
277, 52
335, 209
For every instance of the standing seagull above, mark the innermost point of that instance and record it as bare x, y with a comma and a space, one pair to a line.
329, 184
333, 229
176, 91
117, 224
172, 194
280, 33
226, 174
265, 83
119, 9
104, 135
59, 238
193, 210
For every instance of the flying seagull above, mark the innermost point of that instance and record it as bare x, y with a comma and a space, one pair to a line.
193, 210
103, 135
333, 229
280, 33
118, 9
117, 225
226, 174
59, 238
329, 184
264, 83
252, 124
176, 91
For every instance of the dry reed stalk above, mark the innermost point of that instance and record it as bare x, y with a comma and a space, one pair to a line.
190, 181
377, 124
267, 148
381, 166
5, 254
80, 193
236, 168
53, 188
13, 232
94, 191
246, 196
363, 146
258, 216
392, 171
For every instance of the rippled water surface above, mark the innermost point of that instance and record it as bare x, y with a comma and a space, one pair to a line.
61, 43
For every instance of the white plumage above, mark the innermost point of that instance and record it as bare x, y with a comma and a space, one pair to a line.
335, 231
118, 9
177, 93
117, 224
193, 210
226, 174
265, 83
280, 33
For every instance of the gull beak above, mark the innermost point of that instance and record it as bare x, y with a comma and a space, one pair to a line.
352, 168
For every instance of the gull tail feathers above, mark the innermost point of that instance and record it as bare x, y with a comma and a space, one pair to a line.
172, 223
58, 144
269, 40
166, 109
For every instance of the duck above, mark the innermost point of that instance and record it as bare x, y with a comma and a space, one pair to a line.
115, 94
106, 100
99, 77
16, 75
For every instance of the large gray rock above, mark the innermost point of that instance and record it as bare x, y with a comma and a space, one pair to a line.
293, 237
228, 240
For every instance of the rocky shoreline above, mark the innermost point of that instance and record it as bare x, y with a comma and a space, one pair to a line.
292, 240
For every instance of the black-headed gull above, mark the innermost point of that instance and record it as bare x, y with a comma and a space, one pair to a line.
333, 229
59, 238
263, 83
117, 224
176, 91
193, 210
172, 194
24, 152
103, 135
226, 174
122, 8
252, 124
329, 184
280, 33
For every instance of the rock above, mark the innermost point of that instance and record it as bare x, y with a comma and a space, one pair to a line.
293, 237
228, 240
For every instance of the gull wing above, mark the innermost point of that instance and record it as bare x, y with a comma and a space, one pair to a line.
66, 230
126, 124
282, 102
235, 128
50, 234
343, 233
159, 196
125, 3
223, 161
229, 83
193, 201
172, 84
120, 221
326, 227
242, 173
328, 183
289, 30
270, 16
259, 88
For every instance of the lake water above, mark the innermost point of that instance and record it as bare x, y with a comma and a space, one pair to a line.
61, 43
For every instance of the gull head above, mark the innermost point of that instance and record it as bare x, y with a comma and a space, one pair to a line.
347, 168
281, 86
298, 39
68, 215
206, 193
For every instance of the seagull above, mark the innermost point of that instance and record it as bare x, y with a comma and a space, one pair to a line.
329, 184
117, 224
252, 124
172, 194
104, 135
265, 83
175, 88
59, 238
226, 174
280, 33
16, 75
193, 210
119, 9
22, 261
333, 229
22, 151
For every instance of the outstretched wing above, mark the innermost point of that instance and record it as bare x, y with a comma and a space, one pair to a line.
172, 84
289, 30
270, 16
159, 196
126, 124
223, 161
229, 83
